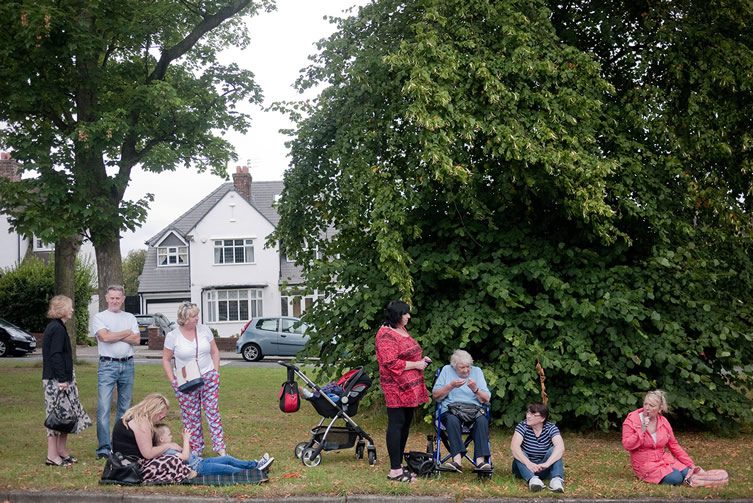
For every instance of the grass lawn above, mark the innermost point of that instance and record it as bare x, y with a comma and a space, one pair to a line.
596, 465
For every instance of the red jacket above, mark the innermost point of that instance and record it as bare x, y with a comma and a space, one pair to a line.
652, 462
401, 388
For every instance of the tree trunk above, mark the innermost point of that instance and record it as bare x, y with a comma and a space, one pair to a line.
66, 250
109, 263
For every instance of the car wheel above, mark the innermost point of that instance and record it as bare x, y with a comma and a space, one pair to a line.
3, 349
251, 353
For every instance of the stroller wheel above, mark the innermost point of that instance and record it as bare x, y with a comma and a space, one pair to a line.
309, 459
372, 455
299, 449
359, 449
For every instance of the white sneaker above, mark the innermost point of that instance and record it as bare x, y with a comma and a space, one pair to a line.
265, 462
535, 484
557, 485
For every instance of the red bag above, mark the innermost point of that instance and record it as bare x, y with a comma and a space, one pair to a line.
699, 477
290, 401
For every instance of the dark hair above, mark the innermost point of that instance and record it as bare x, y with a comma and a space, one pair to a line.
394, 312
539, 408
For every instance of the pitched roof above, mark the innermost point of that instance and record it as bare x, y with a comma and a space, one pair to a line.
262, 199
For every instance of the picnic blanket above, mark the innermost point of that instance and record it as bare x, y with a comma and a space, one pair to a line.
245, 477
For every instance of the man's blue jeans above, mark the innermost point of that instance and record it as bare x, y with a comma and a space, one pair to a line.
111, 376
556, 470
223, 465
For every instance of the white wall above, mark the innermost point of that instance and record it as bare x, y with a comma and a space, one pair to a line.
11, 249
234, 218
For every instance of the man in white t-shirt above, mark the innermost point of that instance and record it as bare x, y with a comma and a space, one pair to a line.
116, 332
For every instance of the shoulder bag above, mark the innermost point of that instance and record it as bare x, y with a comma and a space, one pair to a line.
189, 377
60, 419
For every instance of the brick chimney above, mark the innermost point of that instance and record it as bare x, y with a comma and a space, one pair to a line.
8, 167
242, 182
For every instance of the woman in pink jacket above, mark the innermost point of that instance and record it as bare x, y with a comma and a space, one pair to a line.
655, 455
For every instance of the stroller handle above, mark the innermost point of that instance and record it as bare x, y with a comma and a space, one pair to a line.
287, 365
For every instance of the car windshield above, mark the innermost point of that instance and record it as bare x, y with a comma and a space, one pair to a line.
11, 328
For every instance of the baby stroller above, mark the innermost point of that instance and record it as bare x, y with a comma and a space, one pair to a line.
335, 401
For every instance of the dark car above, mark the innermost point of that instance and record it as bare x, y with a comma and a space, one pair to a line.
14, 340
158, 319
276, 335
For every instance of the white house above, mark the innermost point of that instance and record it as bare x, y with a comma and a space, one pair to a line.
214, 256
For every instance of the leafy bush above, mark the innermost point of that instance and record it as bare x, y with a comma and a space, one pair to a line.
25, 293
534, 200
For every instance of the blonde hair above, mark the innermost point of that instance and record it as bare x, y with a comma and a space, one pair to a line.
58, 305
158, 430
661, 397
146, 409
185, 311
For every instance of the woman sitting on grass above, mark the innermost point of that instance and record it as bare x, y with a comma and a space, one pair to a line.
655, 454
220, 465
537, 449
133, 436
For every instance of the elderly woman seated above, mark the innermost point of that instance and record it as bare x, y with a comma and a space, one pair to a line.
461, 391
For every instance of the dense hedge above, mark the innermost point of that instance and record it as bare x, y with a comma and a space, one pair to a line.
26, 291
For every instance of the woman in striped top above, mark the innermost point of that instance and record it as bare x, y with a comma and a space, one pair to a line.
537, 449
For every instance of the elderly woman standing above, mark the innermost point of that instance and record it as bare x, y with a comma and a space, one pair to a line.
188, 342
133, 435
461, 382
655, 454
401, 373
59, 380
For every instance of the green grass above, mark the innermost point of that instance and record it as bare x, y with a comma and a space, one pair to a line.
596, 465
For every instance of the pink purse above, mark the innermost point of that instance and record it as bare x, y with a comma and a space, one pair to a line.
698, 477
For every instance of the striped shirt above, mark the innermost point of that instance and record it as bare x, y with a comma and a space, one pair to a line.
535, 448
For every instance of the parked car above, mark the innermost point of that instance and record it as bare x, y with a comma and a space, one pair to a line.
159, 319
14, 340
271, 336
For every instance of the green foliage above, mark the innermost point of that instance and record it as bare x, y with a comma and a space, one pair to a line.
26, 291
133, 265
534, 197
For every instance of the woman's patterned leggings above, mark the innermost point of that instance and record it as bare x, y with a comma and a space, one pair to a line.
206, 397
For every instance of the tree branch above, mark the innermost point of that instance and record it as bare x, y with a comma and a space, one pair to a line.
205, 26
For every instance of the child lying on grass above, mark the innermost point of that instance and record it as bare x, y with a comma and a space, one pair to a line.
220, 465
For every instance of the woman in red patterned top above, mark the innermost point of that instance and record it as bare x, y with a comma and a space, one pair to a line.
401, 373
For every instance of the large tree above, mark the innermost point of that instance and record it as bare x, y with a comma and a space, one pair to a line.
95, 88
474, 159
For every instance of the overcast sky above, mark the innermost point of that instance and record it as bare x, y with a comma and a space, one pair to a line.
281, 42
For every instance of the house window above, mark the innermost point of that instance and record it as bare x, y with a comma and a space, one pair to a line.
296, 305
172, 255
234, 251
234, 305
40, 245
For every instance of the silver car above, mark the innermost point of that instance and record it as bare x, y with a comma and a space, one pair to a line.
271, 336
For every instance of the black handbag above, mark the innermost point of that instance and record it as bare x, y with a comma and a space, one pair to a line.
466, 412
421, 463
120, 469
59, 419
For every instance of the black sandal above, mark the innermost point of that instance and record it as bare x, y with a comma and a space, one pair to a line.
403, 477
62, 462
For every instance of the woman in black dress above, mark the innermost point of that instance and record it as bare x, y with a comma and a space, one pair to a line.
59, 380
